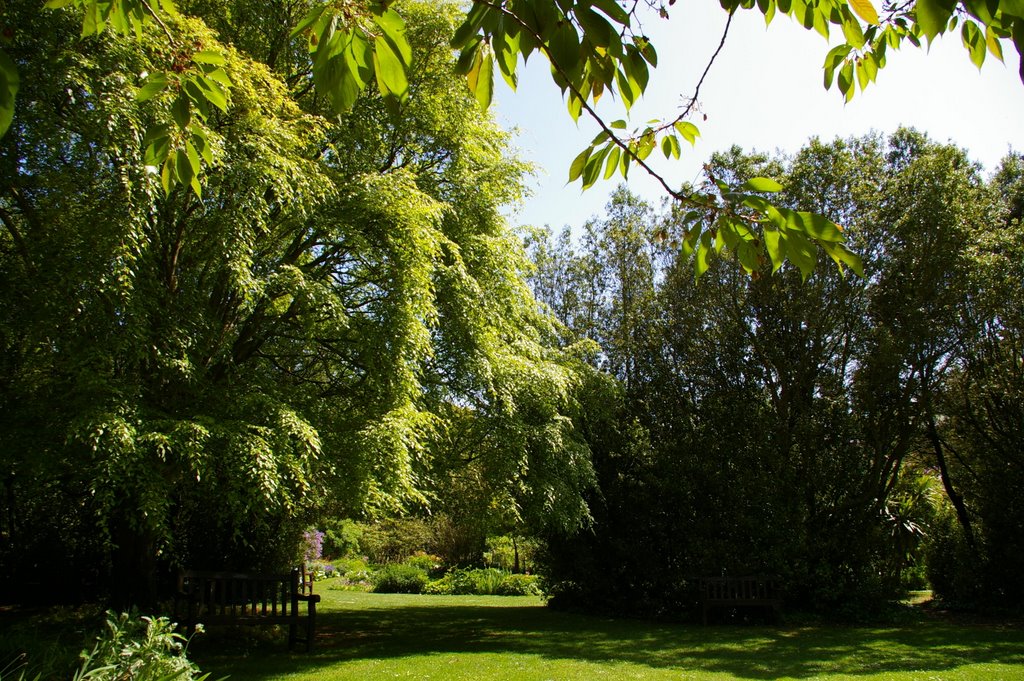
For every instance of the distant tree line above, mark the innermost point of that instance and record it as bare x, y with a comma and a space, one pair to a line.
848, 434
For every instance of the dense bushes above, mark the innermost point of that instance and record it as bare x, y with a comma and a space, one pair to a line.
412, 578
399, 578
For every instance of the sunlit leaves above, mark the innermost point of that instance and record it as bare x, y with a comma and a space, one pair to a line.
8, 91
481, 75
932, 16
974, 41
349, 53
865, 10
177, 153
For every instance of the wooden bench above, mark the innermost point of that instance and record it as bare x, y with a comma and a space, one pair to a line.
733, 592
247, 599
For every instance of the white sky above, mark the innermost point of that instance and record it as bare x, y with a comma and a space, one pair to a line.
765, 92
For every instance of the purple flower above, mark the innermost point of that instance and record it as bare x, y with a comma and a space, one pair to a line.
312, 544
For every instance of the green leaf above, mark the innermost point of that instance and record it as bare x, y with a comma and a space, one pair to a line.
646, 48
995, 48
481, 76
776, 247
575, 106
506, 51
846, 80
156, 153
813, 225
183, 167
688, 130
761, 184
579, 163
636, 69
213, 92
209, 57
9, 83
181, 111
155, 84
564, 48
168, 175
220, 76
469, 28
393, 26
613, 10
468, 56
974, 42
390, 71
193, 157
592, 170
203, 146
843, 256
596, 28
801, 253
932, 16
852, 30
311, 18
613, 162
865, 10
703, 250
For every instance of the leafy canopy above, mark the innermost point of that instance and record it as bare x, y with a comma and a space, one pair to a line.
594, 47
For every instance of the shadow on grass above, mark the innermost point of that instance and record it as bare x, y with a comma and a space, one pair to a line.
393, 630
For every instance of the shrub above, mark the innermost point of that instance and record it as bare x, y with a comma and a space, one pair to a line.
445, 586
138, 648
392, 541
426, 562
341, 538
399, 579
487, 581
519, 585
953, 571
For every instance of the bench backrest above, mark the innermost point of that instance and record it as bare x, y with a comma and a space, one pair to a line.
234, 594
739, 588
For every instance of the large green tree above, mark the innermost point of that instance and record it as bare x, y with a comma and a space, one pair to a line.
193, 369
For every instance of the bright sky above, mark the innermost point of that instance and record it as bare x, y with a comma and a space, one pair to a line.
765, 92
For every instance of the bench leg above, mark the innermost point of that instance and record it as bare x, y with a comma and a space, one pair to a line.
310, 626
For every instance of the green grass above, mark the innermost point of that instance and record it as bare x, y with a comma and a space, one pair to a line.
378, 636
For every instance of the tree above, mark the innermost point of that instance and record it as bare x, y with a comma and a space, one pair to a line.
977, 428
780, 425
190, 374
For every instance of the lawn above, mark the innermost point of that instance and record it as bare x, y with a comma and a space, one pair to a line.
375, 636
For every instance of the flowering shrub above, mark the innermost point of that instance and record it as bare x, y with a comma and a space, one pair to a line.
312, 544
321, 569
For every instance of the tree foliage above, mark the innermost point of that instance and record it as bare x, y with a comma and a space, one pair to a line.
191, 371
788, 426
594, 47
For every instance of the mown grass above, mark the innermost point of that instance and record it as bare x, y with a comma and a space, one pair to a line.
377, 636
